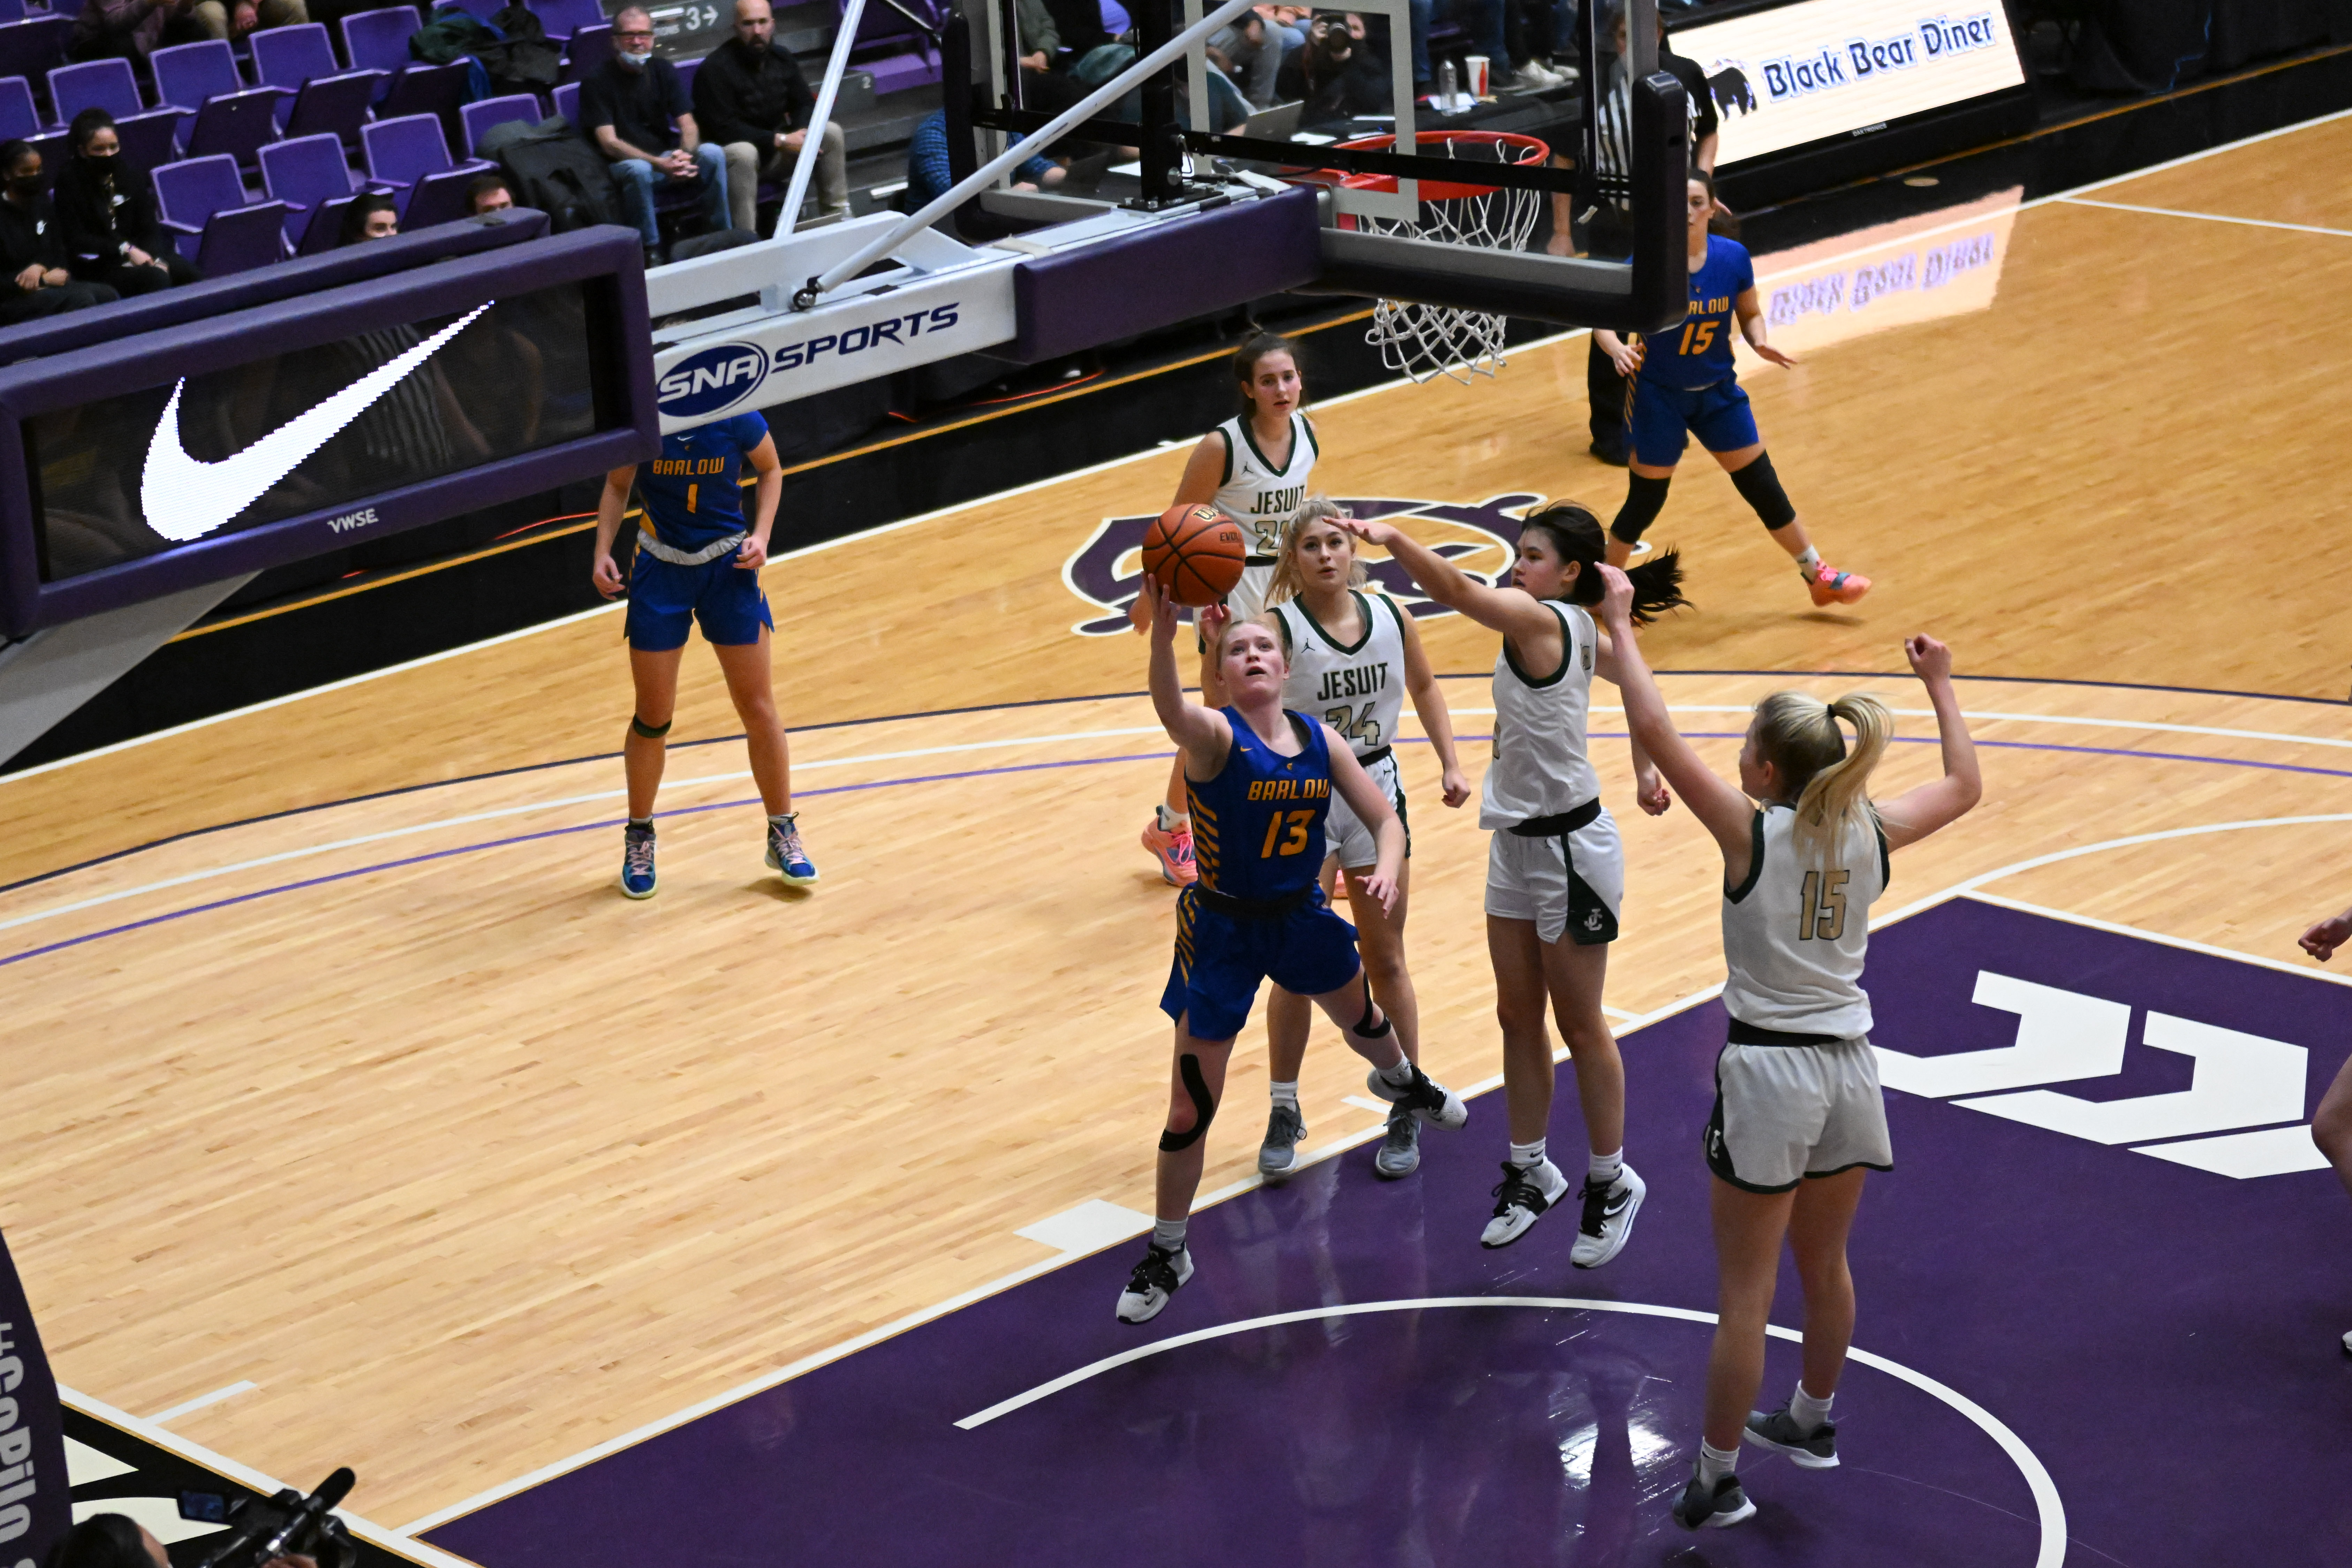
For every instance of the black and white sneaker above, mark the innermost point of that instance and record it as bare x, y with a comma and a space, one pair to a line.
1424, 1096
1160, 1275
1702, 1506
1520, 1200
1284, 1130
1399, 1152
1778, 1433
1607, 1219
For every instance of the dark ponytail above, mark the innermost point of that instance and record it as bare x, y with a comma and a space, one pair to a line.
1577, 535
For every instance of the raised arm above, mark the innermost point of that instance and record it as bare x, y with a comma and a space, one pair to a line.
1201, 733
1429, 704
1372, 809
1915, 814
1514, 612
1721, 808
1649, 787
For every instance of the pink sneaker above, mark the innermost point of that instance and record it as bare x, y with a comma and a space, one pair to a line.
1829, 586
1174, 853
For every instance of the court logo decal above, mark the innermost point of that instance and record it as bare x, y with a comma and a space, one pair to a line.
1107, 571
185, 499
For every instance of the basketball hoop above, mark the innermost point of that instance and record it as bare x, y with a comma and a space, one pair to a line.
1428, 340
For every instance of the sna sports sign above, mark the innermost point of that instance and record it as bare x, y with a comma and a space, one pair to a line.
714, 379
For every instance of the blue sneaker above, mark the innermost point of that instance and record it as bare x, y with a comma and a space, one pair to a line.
786, 856
637, 861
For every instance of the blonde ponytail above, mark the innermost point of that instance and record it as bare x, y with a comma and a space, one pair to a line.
1288, 581
1797, 735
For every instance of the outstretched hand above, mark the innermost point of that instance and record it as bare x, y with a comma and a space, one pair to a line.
2321, 940
1380, 533
1158, 610
1931, 661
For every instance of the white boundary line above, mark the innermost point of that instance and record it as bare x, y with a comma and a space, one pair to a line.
282, 856
244, 1386
171, 1442
2047, 1503
2186, 944
2209, 217
1105, 466
1967, 887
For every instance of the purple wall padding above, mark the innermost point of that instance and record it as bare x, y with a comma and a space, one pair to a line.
1162, 273
222, 340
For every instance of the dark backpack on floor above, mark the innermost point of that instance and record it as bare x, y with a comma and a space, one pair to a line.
553, 169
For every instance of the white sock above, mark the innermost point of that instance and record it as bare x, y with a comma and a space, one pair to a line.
1602, 1169
1714, 1464
1174, 821
1398, 1073
1810, 1415
783, 819
1167, 1235
1810, 561
1528, 1155
1284, 1093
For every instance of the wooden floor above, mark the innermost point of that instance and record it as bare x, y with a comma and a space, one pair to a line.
394, 1108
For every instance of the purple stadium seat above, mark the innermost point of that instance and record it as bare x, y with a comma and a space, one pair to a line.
311, 178
1115, 19
226, 116
478, 117
204, 204
12, 10
438, 90
327, 97
562, 18
29, 47
567, 102
882, 48
147, 135
378, 41
409, 155
480, 10
586, 51
18, 115
686, 69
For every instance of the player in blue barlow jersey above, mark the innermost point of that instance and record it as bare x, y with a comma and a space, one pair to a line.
698, 561
1682, 383
1260, 780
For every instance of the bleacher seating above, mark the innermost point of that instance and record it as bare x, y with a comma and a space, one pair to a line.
18, 116
30, 47
562, 18
327, 97
897, 53
478, 117
378, 41
224, 114
148, 135
313, 178
588, 50
217, 226
409, 155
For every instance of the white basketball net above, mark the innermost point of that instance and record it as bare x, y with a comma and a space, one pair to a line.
1425, 342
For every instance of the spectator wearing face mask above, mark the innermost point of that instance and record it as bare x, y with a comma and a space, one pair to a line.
34, 278
106, 211
635, 111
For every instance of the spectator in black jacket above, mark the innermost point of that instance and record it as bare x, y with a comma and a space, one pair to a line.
34, 278
750, 99
1336, 74
106, 216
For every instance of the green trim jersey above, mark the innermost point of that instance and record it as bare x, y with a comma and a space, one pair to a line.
1539, 767
1356, 687
1256, 492
1794, 934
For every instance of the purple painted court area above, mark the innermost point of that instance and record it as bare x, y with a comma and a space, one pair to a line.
2164, 1340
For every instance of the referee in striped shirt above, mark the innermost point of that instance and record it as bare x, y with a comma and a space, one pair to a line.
1606, 224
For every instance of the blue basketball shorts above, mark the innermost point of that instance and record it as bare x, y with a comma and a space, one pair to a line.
1657, 417
723, 596
1220, 959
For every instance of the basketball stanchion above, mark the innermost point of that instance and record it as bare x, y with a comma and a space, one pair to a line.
1423, 341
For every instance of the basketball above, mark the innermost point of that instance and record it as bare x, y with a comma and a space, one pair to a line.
1195, 552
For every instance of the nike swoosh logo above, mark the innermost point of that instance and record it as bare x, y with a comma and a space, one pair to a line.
184, 498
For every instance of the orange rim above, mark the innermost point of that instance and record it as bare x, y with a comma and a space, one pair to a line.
1509, 146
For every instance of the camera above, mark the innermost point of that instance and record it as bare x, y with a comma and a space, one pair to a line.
288, 1524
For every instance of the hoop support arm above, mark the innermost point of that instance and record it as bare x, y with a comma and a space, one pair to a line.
813, 133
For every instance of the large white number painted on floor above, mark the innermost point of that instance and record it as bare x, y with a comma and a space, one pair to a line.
2240, 1080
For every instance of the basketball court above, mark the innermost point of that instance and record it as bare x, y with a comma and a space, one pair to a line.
791, 1221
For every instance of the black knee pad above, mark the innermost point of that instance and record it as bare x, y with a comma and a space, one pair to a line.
1644, 498
650, 732
1364, 1029
1760, 488
1204, 1110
